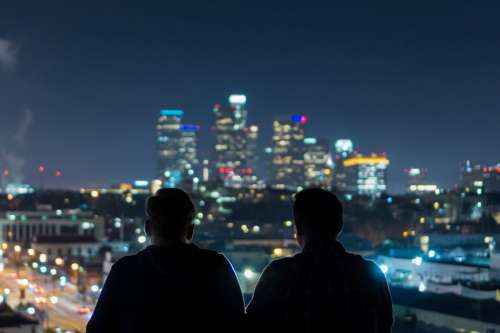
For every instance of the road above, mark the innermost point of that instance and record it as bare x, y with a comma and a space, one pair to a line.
63, 314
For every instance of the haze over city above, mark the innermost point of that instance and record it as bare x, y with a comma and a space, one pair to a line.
81, 86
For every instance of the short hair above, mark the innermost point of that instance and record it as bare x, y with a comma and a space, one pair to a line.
170, 211
317, 214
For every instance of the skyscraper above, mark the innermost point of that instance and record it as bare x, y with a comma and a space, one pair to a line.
480, 178
177, 147
288, 152
344, 149
318, 163
418, 182
235, 143
366, 175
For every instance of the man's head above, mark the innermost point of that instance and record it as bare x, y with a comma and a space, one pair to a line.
170, 216
317, 215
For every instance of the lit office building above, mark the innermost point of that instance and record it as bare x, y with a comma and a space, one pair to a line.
480, 178
344, 149
288, 152
235, 144
318, 163
366, 175
177, 147
418, 182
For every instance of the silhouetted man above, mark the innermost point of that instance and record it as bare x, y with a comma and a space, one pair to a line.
172, 285
323, 288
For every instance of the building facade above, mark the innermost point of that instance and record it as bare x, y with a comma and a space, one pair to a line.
318, 165
288, 152
366, 175
235, 144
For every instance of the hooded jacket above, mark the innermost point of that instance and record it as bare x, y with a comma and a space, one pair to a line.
169, 289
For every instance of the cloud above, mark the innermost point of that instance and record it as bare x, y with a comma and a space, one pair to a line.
8, 53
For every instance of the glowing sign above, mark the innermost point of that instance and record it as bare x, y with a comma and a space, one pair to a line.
360, 160
177, 113
189, 127
343, 145
299, 119
237, 99
310, 141
141, 183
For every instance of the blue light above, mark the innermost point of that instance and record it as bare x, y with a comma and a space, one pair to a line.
189, 128
297, 118
177, 113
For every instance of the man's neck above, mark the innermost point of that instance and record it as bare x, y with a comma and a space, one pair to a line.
161, 242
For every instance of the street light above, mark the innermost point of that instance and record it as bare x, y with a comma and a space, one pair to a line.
31, 252
59, 261
42, 257
17, 248
75, 266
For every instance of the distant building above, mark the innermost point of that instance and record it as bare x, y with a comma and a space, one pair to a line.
343, 150
235, 144
26, 227
318, 165
177, 147
418, 182
288, 152
366, 175
480, 178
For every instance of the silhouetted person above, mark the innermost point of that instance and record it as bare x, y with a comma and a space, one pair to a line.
172, 285
323, 288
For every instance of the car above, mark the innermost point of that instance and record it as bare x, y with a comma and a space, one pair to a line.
83, 310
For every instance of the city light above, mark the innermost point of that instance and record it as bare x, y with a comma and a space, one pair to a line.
42, 258
237, 99
31, 252
17, 248
417, 261
278, 252
249, 274
53, 299
94, 288
31, 311
431, 253
59, 261
75, 266
141, 239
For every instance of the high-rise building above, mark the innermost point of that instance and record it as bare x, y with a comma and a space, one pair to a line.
366, 175
480, 178
418, 182
177, 147
288, 152
344, 149
318, 165
235, 144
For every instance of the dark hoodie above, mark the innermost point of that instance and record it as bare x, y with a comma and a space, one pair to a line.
177, 288
322, 289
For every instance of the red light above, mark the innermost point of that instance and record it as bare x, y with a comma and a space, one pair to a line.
6, 172
58, 173
303, 120
221, 170
41, 169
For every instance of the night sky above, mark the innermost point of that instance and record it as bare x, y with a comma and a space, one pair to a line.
81, 83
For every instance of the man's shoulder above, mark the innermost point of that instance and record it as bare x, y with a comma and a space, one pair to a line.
129, 260
211, 256
364, 267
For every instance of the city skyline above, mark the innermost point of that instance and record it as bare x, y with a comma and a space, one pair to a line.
430, 86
